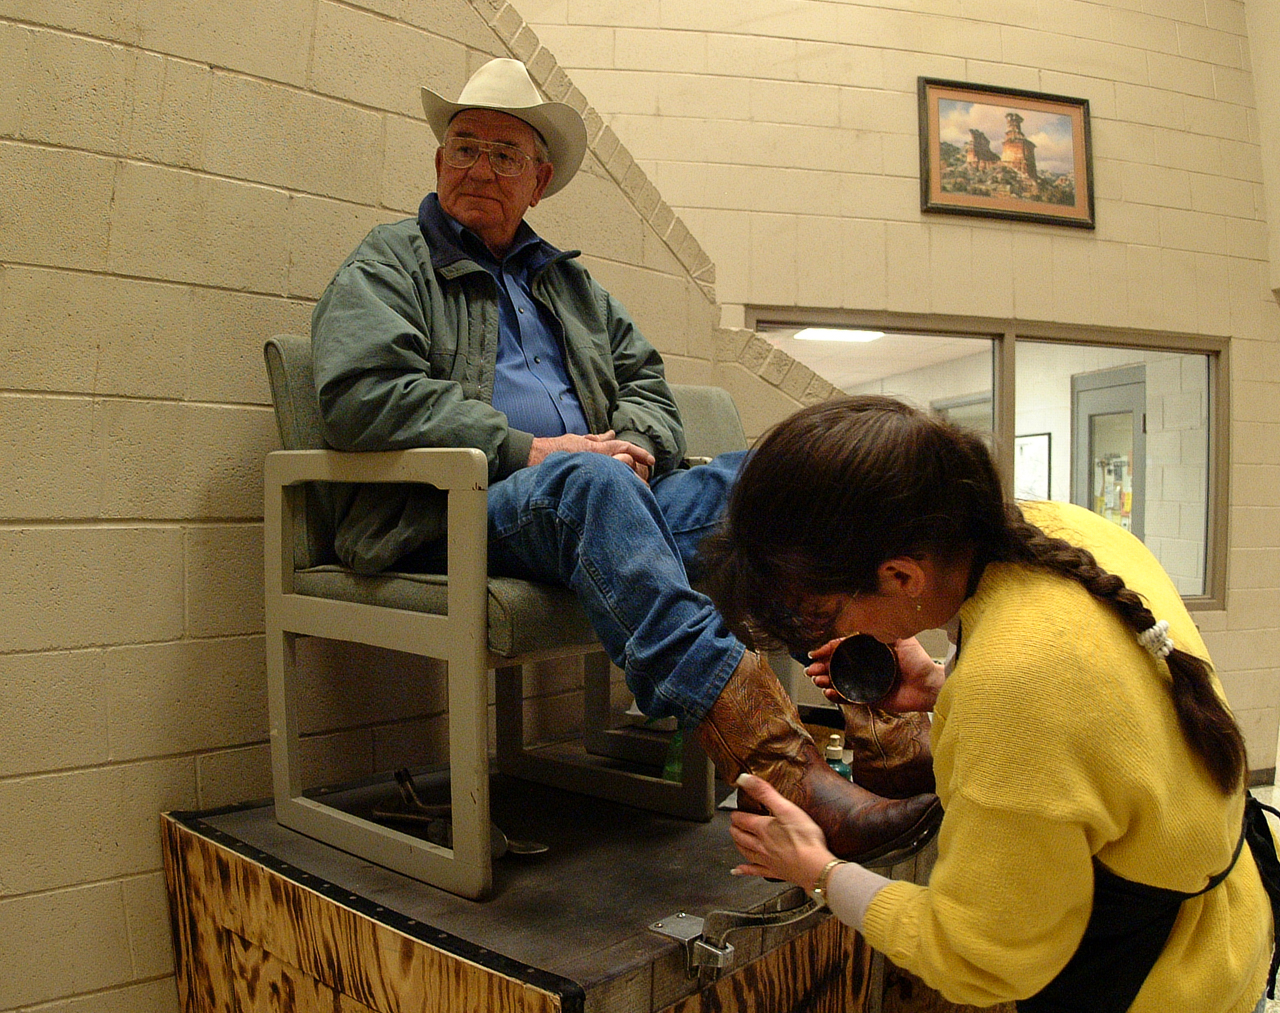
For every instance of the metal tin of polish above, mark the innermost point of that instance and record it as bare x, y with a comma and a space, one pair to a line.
863, 670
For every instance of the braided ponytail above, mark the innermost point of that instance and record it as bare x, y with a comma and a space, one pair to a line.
1205, 721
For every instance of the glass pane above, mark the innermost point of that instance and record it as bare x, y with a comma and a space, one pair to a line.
1165, 474
1111, 477
950, 373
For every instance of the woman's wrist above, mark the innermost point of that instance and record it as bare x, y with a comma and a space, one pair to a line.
812, 861
821, 882
850, 891
936, 680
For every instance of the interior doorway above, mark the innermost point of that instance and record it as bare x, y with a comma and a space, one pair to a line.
1108, 444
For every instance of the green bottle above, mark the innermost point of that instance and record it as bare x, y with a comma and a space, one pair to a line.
835, 756
673, 766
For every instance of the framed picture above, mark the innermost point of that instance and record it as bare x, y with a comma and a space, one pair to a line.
1002, 153
1032, 466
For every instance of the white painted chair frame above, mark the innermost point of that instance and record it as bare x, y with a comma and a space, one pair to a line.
459, 638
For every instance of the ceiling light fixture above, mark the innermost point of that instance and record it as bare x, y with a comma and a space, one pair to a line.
837, 334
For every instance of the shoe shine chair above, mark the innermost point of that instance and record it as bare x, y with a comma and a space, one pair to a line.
469, 620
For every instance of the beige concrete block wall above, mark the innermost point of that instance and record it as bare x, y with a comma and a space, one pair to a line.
1263, 21
180, 182
784, 132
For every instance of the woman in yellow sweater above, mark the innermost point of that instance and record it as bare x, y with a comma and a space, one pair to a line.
1090, 856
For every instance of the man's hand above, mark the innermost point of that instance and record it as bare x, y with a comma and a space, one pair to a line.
636, 458
920, 678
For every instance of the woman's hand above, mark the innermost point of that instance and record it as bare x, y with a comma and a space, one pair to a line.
787, 845
919, 681
819, 668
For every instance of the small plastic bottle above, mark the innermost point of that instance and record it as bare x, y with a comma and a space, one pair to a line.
835, 756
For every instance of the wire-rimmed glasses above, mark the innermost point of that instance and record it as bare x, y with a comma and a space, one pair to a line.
504, 159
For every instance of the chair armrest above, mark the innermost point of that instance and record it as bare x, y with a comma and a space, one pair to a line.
463, 472
444, 467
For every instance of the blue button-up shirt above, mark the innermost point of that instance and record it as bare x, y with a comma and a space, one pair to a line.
531, 386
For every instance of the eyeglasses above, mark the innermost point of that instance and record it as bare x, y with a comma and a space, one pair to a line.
504, 159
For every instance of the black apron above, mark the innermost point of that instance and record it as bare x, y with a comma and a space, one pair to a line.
1130, 924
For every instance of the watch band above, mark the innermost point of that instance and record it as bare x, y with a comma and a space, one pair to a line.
819, 891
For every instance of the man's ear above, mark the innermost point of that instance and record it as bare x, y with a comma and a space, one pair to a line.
545, 172
902, 575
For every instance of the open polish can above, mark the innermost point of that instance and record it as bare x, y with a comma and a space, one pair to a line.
863, 669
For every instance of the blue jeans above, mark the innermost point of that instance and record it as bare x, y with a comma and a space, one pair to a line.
626, 549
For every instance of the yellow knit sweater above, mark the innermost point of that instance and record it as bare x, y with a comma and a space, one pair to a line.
1055, 740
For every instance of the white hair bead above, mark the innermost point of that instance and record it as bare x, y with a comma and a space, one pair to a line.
1156, 639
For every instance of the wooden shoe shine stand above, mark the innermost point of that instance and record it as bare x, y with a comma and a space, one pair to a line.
267, 919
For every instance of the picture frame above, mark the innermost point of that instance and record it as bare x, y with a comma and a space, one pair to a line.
1027, 155
1033, 466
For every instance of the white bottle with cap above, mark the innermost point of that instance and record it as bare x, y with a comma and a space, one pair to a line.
835, 756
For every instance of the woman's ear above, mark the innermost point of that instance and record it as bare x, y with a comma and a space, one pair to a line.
902, 575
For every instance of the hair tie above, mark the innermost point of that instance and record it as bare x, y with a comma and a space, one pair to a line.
1156, 639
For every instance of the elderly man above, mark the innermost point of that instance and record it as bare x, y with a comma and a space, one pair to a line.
463, 327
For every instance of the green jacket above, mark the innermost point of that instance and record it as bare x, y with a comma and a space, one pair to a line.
405, 342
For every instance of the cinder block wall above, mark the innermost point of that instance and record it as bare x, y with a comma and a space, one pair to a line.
784, 132
180, 181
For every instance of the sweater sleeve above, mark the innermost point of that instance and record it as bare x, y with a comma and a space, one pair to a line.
1005, 908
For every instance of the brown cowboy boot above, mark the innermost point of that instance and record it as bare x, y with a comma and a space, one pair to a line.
891, 753
753, 726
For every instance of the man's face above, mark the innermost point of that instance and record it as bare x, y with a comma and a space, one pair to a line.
490, 205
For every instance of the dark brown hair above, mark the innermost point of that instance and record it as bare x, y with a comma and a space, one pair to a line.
838, 488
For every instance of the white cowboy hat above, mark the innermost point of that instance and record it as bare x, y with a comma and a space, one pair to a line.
505, 85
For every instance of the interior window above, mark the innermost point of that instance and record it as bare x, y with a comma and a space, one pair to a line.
1125, 431
950, 373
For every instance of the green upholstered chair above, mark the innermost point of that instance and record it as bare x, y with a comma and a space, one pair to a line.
469, 620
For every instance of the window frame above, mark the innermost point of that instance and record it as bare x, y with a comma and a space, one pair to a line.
1004, 334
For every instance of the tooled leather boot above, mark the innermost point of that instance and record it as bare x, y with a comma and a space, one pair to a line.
891, 753
753, 726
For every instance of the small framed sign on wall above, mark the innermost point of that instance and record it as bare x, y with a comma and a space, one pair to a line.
1003, 153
